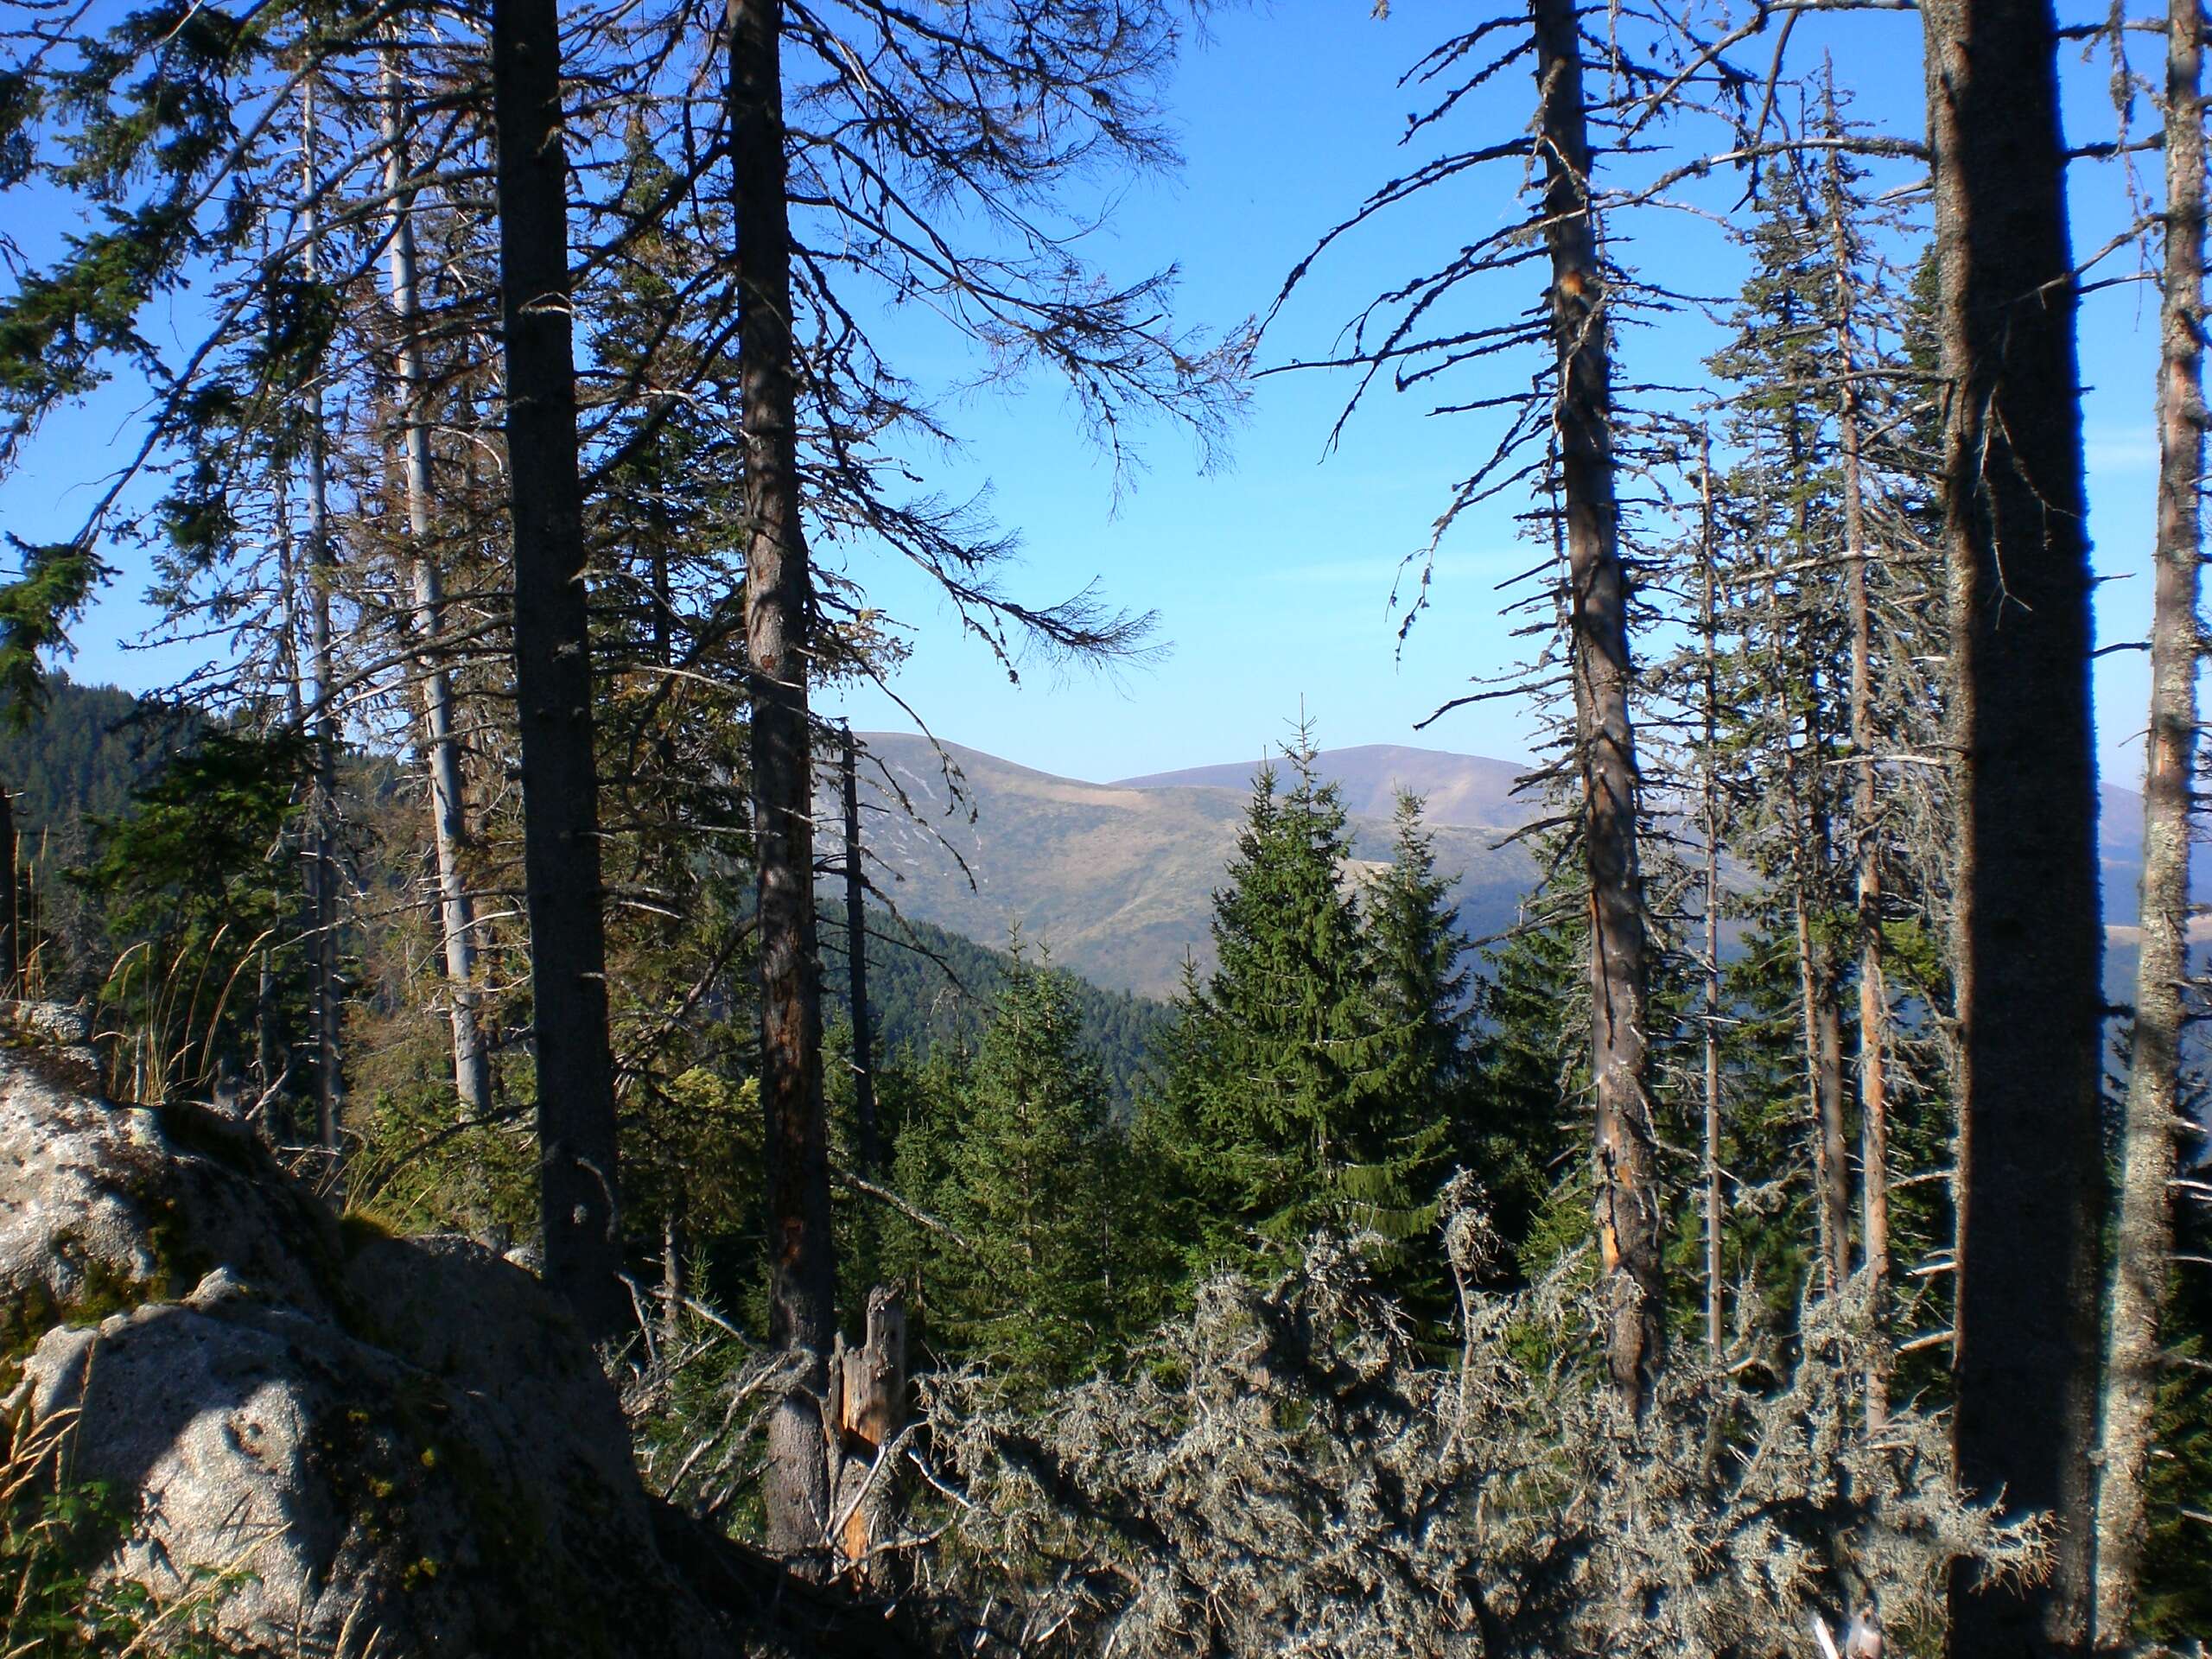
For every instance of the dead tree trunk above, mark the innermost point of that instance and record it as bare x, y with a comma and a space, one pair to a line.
10, 938
1629, 1209
2027, 945
1873, 988
871, 1148
472, 1060
2154, 1110
778, 598
1709, 754
330, 1103
579, 1189
867, 1410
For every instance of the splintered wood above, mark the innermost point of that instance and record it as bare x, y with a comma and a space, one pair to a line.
868, 1408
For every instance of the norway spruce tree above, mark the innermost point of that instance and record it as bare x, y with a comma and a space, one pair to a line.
1026, 1187
1299, 1088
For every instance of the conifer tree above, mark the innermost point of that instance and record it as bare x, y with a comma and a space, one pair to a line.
1028, 1190
1531, 1066
1288, 1100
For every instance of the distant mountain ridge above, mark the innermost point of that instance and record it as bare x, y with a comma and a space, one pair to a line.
1470, 789
1115, 881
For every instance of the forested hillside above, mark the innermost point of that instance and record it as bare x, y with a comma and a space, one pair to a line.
84, 755
1731, 1186
1117, 879
929, 988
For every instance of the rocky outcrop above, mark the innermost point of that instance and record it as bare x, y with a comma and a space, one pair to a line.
374, 1445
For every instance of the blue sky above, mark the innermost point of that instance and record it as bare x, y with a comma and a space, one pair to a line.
1272, 577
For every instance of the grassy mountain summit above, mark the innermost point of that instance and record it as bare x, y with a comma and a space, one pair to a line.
1118, 879
1466, 790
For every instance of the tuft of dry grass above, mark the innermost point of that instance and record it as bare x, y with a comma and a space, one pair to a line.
58, 1536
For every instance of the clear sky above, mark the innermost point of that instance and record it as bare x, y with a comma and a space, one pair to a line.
1271, 577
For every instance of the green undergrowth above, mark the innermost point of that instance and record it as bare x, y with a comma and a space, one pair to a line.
56, 1533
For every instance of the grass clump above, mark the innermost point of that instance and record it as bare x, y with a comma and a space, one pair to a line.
57, 1533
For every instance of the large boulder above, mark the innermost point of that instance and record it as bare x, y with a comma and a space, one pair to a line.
371, 1444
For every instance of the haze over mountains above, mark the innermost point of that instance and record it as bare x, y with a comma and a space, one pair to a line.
1115, 881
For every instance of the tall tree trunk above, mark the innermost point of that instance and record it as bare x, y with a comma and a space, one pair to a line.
1810, 862
2153, 1112
472, 1060
578, 1185
330, 1099
10, 931
1628, 1204
322, 858
856, 951
1874, 987
778, 599
2028, 947
1709, 758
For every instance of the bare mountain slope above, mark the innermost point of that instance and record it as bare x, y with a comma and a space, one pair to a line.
1459, 788
1116, 880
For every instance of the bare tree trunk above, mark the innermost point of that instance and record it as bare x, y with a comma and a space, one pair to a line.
1823, 1080
472, 1061
269, 1049
322, 861
1708, 630
802, 1282
10, 941
868, 1389
1628, 1204
2028, 944
579, 1188
857, 950
1873, 988
2153, 1111
330, 1099
672, 1287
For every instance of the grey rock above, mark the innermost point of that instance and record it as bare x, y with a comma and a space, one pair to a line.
401, 1447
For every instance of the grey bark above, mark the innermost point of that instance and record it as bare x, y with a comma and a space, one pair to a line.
2153, 1110
802, 1284
1873, 990
1628, 1204
871, 1147
579, 1186
1708, 630
2027, 946
330, 1097
472, 1062
10, 937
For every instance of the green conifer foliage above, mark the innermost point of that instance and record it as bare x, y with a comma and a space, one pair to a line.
197, 885
1306, 1084
1531, 1067
1027, 1289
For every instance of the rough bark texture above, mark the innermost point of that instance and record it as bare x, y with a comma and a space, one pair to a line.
2028, 945
10, 944
868, 1392
777, 615
1708, 630
2153, 1112
856, 951
1873, 991
578, 1183
472, 1060
1628, 1202
330, 1094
